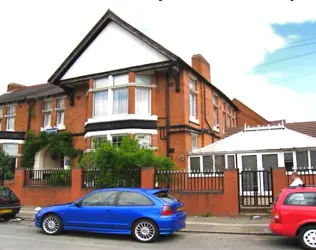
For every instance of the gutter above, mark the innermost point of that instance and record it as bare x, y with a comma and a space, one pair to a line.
167, 114
205, 118
29, 115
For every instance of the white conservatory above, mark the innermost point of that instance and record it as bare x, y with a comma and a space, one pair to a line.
257, 148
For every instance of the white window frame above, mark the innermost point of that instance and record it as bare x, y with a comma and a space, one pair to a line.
213, 172
215, 105
58, 110
193, 92
11, 116
44, 111
195, 137
144, 86
111, 87
226, 160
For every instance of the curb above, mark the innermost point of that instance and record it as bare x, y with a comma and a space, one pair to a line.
230, 233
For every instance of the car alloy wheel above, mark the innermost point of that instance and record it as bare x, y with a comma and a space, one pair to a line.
145, 231
307, 237
52, 224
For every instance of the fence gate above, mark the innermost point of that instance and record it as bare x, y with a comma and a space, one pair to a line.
1, 177
256, 188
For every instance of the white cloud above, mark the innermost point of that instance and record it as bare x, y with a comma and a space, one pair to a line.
233, 35
293, 38
275, 75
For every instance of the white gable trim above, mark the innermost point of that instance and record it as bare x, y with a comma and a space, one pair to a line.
114, 48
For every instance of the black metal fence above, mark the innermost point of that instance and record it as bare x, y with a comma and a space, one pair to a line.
53, 177
308, 176
256, 189
178, 180
94, 178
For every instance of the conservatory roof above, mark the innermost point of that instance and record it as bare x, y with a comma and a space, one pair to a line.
268, 138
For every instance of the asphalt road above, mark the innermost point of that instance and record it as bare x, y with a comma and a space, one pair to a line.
24, 236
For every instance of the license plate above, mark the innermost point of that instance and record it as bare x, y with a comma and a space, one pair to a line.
180, 209
5, 211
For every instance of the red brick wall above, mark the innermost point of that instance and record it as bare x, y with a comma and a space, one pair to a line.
248, 116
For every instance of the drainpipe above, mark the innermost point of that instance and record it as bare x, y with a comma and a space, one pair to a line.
29, 115
167, 114
204, 94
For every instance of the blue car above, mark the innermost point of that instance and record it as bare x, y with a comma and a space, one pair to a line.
143, 213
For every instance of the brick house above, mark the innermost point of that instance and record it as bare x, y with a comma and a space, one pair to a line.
118, 81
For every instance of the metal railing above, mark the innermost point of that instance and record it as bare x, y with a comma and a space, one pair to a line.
191, 181
95, 178
53, 177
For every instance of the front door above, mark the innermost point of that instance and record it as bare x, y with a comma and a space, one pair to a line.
94, 212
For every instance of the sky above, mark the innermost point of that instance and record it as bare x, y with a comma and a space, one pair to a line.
262, 52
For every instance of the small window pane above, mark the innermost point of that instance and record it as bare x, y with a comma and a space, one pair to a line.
215, 100
60, 117
215, 114
100, 83
301, 199
288, 161
194, 142
144, 140
11, 110
100, 103
208, 163
99, 199
120, 80
220, 163
195, 164
270, 161
313, 159
10, 149
192, 104
143, 79
47, 105
60, 103
96, 140
249, 162
117, 139
47, 119
10, 123
120, 101
142, 98
231, 162
192, 84
1, 112
302, 159
133, 199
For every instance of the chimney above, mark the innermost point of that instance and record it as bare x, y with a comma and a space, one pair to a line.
202, 66
14, 86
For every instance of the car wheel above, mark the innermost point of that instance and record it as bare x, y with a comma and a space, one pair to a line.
52, 224
145, 231
8, 217
307, 237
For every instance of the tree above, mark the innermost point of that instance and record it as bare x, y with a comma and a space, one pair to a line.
115, 161
5, 164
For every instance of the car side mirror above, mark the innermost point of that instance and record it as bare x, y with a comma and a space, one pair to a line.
77, 203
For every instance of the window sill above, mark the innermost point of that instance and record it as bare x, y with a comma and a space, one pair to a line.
194, 120
122, 118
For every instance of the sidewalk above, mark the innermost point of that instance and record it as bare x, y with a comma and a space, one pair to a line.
221, 225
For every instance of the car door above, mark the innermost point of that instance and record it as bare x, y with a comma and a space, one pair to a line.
131, 206
93, 212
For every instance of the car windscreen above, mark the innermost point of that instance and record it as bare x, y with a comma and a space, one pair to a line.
166, 197
7, 193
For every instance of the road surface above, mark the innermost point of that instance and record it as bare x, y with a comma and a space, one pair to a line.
24, 236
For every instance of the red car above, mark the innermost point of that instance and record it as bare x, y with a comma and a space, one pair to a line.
294, 215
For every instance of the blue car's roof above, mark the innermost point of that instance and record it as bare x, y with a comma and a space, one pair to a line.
151, 191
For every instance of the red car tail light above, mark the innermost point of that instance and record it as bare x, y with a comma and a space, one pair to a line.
167, 210
277, 217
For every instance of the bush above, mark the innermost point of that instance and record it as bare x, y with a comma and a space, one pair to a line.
115, 162
6, 165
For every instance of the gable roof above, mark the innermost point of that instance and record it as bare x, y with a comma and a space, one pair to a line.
108, 17
31, 92
273, 138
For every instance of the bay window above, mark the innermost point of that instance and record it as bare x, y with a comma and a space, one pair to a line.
10, 118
